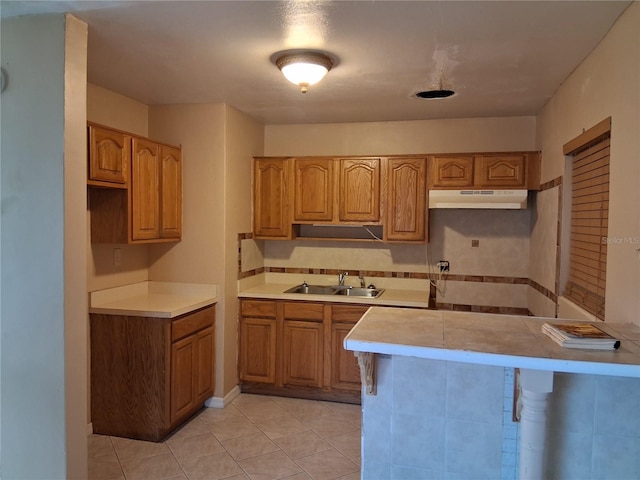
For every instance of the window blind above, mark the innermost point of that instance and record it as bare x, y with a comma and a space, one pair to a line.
589, 221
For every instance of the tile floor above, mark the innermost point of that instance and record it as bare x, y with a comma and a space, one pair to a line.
255, 437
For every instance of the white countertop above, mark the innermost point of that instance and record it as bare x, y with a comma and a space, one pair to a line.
152, 299
390, 296
488, 339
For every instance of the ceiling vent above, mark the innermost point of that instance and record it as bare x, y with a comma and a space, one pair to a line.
439, 93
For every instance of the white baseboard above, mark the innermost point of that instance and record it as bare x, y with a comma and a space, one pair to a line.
217, 402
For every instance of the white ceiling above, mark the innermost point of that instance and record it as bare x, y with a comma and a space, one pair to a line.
503, 58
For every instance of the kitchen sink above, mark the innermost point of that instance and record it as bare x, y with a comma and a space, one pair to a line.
312, 289
336, 290
360, 292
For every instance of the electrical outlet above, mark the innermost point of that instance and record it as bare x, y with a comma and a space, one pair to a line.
444, 265
117, 257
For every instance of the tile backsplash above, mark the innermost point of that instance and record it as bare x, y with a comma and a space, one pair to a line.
492, 276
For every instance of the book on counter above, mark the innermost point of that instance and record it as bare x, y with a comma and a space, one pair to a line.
580, 335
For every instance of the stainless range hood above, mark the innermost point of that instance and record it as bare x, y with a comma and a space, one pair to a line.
487, 199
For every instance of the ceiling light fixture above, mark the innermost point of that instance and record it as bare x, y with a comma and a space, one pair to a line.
304, 68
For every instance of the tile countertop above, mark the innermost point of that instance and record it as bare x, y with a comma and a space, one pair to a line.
390, 296
500, 340
152, 299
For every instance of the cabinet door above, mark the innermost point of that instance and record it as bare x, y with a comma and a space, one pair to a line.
313, 189
508, 171
171, 192
359, 199
109, 155
145, 190
406, 200
184, 359
258, 350
271, 198
192, 374
204, 373
453, 172
302, 353
345, 372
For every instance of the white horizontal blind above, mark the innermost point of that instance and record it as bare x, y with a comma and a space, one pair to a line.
589, 221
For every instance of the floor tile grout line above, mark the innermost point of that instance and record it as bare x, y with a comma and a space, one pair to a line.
333, 412
295, 462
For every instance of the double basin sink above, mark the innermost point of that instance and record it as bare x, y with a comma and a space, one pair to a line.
336, 290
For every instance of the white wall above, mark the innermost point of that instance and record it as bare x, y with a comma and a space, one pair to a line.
606, 84
40, 286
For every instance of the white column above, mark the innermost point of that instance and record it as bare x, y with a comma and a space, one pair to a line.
535, 387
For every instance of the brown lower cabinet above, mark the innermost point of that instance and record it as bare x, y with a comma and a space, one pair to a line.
295, 349
149, 375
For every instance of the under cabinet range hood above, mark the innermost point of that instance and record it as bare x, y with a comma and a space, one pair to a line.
486, 199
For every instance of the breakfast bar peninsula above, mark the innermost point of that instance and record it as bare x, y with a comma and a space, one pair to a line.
483, 396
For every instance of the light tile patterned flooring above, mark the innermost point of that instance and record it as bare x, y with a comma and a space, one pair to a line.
255, 437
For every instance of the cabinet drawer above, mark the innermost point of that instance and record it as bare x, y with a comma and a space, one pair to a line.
192, 322
258, 308
304, 311
347, 313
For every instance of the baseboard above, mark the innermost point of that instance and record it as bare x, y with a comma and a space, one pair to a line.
89, 428
217, 402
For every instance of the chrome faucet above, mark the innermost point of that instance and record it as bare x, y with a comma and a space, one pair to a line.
341, 277
363, 284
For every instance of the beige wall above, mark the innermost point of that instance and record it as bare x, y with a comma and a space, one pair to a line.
199, 257
218, 144
244, 139
114, 110
425, 136
117, 111
75, 246
503, 235
606, 84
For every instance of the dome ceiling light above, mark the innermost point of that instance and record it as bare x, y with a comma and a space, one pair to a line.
304, 68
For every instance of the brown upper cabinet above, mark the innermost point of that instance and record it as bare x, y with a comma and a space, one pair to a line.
386, 196
359, 195
336, 190
171, 192
109, 153
501, 171
454, 172
147, 208
494, 170
271, 198
406, 200
313, 180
